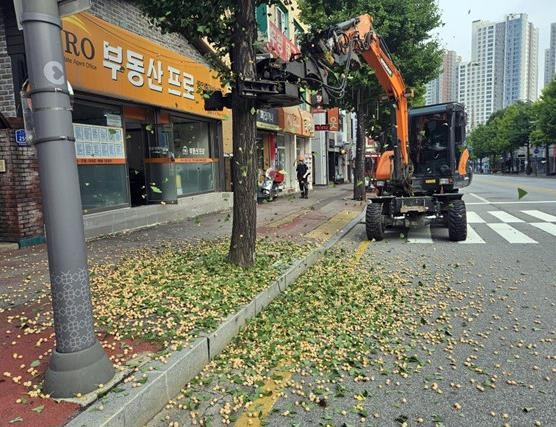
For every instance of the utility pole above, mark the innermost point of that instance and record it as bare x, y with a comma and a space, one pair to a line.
79, 363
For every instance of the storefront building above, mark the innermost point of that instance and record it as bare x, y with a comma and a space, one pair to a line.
278, 34
142, 134
267, 131
296, 126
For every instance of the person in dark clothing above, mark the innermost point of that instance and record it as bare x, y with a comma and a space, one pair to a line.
303, 178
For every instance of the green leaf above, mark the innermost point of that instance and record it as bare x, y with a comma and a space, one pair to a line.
35, 363
401, 419
155, 189
38, 409
15, 420
521, 193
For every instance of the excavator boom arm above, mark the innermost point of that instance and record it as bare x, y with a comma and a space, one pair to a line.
358, 35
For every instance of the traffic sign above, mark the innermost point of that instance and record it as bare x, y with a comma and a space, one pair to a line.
21, 137
536, 150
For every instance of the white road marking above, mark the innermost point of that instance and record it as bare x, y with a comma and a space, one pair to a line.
545, 226
472, 236
422, 235
505, 216
541, 215
474, 218
511, 203
511, 234
482, 199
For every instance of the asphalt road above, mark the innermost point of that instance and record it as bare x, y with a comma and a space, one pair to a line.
475, 346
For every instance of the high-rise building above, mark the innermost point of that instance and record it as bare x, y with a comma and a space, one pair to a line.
503, 67
520, 59
449, 77
444, 88
550, 57
432, 94
478, 79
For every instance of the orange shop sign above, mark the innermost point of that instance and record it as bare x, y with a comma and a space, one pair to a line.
333, 118
290, 120
294, 120
105, 59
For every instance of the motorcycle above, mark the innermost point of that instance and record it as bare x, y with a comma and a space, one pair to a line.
271, 186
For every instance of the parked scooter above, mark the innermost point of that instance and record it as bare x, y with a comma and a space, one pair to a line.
271, 186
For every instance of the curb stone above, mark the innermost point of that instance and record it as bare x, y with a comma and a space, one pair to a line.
136, 406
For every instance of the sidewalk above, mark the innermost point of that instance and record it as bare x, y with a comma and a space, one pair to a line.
286, 216
24, 286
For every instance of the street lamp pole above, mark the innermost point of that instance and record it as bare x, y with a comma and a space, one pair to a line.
79, 363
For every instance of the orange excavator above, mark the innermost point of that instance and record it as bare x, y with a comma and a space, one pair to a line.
424, 164
419, 173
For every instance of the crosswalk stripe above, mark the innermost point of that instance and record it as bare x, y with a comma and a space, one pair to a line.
474, 218
472, 236
510, 234
505, 216
541, 215
545, 226
422, 235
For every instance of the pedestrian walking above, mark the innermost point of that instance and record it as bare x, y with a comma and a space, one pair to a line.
303, 177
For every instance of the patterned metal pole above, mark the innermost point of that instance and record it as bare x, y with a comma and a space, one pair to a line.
79, 363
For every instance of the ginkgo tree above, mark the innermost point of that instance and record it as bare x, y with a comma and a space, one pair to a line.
406, 27
229, 26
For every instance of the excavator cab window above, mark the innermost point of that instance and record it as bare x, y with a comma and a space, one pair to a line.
430, 144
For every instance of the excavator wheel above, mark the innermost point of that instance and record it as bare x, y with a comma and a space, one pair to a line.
456, 219
374, 222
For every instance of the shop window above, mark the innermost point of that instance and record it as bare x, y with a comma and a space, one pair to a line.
191, 139
282, 20
280, 152
102, 186
101, 155
298, 32
260, 159
196, 167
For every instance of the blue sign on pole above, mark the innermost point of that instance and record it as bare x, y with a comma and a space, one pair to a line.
536, 151
21, 137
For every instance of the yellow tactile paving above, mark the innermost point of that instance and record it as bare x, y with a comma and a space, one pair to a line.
326, 230
287, 219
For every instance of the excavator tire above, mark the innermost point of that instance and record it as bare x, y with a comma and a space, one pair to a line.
374, 223
456, 219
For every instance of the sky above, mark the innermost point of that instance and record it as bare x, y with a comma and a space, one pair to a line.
457, 16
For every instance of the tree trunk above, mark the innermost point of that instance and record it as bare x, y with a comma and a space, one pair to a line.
244, 228
529, 168
547, 162
359, 190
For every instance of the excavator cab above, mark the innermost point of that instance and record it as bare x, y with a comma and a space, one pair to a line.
437, 150
438, 168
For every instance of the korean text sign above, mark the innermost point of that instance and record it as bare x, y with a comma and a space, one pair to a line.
105, 59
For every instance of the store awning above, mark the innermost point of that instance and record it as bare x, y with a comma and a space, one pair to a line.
297, 121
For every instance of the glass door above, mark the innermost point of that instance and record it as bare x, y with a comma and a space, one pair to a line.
160, 164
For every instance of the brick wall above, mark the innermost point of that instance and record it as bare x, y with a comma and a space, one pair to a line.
128, 16
7, 100
20, 195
